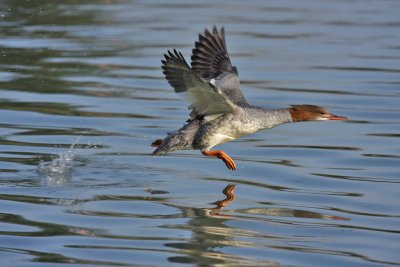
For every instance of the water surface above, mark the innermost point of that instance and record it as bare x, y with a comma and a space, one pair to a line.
82, 96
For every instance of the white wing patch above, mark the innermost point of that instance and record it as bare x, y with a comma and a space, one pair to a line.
205, 97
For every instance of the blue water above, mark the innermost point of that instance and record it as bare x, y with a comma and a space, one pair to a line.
82, 96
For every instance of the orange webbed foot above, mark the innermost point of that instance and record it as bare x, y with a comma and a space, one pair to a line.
221, 155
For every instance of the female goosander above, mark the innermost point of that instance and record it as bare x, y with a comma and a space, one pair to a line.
220, 113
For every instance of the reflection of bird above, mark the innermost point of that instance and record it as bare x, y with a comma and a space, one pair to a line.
230, 196
220, 113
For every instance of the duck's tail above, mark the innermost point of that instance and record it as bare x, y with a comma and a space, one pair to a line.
174, 141
181, 139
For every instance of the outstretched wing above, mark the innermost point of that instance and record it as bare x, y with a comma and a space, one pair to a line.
204, 97
210, 60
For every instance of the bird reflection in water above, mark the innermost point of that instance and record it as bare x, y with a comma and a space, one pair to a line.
281, 212
220, 204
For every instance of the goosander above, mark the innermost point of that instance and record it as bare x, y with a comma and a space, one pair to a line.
220, 113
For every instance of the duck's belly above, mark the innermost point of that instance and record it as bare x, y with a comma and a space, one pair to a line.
218, 138
215, 134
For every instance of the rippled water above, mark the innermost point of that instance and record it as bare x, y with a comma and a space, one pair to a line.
83, 96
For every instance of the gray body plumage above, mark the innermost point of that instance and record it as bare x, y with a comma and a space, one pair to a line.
220, 112
234, 125
179, 140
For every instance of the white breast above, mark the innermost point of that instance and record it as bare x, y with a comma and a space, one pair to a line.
219, 138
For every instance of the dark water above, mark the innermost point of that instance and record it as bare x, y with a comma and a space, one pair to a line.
82, 96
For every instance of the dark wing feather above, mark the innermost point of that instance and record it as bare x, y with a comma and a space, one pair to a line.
210, 57
204, 97
210, 60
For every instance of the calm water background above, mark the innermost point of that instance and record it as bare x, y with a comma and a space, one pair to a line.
82, 96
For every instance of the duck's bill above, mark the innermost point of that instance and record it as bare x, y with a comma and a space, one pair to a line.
334, 117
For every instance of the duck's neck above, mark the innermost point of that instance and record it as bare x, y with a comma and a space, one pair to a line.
274, 117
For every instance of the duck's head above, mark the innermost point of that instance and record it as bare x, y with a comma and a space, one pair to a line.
312, 113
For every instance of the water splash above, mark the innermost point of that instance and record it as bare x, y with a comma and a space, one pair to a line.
58, 172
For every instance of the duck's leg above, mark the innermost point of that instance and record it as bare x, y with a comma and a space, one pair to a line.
221, 155
157, 143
